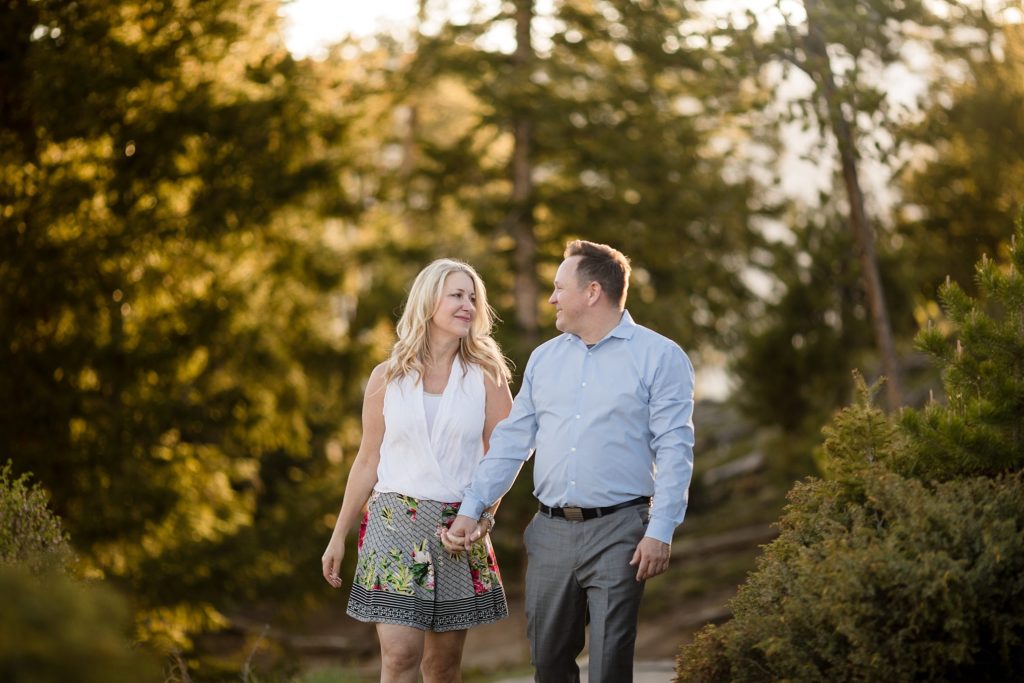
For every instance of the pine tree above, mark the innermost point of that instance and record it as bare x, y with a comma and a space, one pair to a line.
169, 358
966, 179
980, 349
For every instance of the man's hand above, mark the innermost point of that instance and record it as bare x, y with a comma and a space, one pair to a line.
651, 558
461, 535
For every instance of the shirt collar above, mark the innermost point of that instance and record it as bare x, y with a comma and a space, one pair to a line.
624, 330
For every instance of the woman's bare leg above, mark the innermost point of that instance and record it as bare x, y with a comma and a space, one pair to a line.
401, 651
442, 657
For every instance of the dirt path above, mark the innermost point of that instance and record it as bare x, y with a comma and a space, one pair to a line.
494, 650
500, 653
657, 671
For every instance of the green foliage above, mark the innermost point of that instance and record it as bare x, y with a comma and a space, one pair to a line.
172, 302
902, 583
57, 630
623, 116
826, 61
957, 195
859, 438
795, 356
30, 534
980, 430
881, 572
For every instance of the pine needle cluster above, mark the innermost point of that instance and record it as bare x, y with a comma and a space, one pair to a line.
979, 430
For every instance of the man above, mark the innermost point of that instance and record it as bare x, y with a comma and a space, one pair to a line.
608, 408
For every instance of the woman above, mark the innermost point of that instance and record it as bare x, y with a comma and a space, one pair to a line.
428, 412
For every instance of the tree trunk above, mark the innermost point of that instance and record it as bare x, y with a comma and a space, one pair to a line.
519, 222
17, 22
820, 69
413, 114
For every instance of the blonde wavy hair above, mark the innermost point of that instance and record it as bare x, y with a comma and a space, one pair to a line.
413, 346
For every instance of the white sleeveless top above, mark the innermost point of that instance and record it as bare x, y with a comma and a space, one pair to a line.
431, 404
436, 464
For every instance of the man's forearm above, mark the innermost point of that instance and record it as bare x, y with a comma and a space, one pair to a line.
493, 478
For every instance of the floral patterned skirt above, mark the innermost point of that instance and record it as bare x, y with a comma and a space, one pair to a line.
404, 575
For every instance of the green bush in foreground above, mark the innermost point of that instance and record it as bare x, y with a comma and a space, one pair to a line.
912, 583
907, 563
54, 629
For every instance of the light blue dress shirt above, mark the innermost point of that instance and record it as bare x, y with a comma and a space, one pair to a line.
608, 423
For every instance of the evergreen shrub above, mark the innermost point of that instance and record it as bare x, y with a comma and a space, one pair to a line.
907, 561
980, 429
909, 583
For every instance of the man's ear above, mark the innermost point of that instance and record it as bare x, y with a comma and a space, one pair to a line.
594, 292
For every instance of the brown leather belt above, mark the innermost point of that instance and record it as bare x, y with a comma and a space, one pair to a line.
576, 514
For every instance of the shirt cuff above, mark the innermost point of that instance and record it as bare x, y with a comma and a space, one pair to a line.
659, 530
471, 507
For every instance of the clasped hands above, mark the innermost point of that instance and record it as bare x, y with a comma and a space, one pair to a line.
463, 533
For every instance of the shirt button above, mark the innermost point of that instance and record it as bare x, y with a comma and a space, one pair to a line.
573, 482
584, 384
577, 417
573, 450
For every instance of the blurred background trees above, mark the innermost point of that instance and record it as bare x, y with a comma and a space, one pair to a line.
166, 321
205, 239
959, 184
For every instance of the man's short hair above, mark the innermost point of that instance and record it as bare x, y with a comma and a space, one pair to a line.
602, 264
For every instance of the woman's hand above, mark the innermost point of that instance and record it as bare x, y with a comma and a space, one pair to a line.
451, 544
331, 560
461, 534
483, 527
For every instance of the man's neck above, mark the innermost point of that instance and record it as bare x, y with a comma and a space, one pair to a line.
602, 324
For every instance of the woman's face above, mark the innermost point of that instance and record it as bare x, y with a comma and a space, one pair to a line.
457, 309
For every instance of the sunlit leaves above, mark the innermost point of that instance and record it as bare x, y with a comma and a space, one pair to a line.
162, 274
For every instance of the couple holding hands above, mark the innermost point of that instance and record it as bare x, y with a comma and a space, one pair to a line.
606, 409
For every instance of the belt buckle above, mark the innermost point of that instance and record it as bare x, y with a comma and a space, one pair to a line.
573, 514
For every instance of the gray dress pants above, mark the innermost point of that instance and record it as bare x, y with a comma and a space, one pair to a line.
581, 570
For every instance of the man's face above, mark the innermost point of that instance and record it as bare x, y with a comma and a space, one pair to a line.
568, 297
